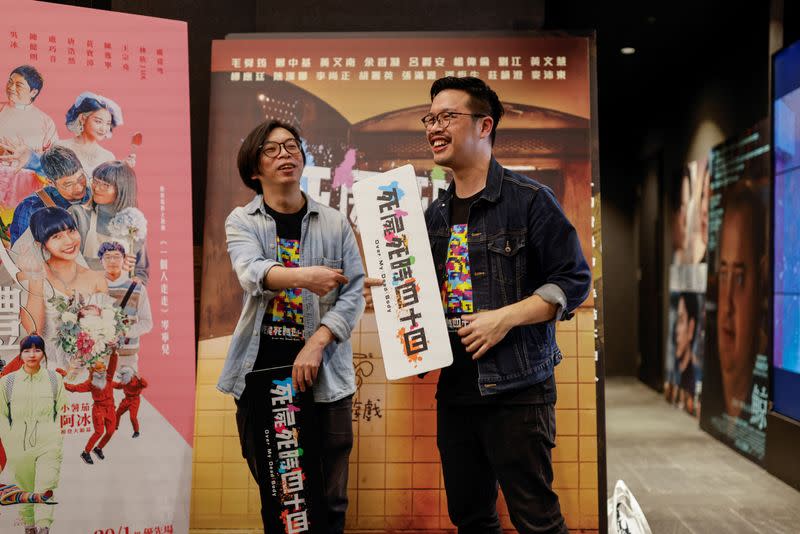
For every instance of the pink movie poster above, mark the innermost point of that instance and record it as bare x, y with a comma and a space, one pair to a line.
97, 357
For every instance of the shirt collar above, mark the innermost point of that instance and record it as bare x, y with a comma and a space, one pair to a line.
494, 181
257, 205
123, 280
56, 196
34, 377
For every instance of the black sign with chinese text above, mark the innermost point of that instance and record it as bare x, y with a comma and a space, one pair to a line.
291, 485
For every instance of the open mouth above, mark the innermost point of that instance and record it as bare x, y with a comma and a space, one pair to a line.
287, 167
438, 144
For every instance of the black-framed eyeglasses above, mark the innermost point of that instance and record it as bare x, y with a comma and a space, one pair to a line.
443, 118
272, 149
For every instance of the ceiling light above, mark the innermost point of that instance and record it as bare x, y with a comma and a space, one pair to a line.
628, 50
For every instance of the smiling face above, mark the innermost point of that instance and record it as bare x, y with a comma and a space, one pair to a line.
97, 124
72, 187
285, 169
457, 145
18, 91
113, 261
64, 245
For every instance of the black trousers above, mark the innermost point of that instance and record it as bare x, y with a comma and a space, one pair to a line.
483, 445
336, 442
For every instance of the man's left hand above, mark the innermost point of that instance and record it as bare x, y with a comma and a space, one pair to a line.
483, 331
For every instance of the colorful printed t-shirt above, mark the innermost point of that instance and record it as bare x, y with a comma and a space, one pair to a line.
458, 383
282, 327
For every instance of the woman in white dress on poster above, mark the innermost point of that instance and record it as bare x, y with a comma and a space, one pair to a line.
51, 268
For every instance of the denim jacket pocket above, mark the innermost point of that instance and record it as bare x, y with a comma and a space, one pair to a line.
330, 262
507, 264
327, 301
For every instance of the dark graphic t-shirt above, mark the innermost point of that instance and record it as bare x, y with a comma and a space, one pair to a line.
458, 384
282, 327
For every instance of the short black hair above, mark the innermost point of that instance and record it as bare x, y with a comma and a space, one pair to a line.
32, 77
109, 246
47, 222
88, 105
482, 98
59, 161
249, 156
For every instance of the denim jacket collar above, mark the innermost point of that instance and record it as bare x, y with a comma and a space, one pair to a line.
257, 204
491, 192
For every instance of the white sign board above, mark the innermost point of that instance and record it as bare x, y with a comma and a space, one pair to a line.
408, 306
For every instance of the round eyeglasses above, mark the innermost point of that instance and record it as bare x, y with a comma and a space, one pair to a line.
272, 149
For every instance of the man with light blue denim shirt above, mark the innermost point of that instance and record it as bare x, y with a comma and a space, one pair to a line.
299, 265
509, 264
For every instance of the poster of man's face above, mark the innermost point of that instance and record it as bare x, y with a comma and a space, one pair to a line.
735, 388
740, 278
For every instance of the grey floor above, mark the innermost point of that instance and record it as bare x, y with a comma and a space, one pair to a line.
685, 480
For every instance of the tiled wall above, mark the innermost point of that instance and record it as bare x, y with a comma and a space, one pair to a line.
395, 477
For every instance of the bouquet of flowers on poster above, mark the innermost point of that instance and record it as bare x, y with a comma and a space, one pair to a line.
96, 363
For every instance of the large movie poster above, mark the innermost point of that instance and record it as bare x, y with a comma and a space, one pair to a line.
683, 363
357, 101
735, 388
96, 413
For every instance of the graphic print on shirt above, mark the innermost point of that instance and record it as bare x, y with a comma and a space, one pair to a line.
285, 311
457, 286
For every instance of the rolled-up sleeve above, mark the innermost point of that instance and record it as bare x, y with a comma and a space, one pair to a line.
247, 255
567, 277
345, 313
553, 294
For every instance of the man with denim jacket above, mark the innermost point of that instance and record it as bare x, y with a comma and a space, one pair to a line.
300, 268
509, 265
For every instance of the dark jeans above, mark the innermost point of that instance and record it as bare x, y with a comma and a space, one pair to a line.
336, 442
510, 444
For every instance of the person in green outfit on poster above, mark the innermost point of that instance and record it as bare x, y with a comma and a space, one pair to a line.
30, 400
